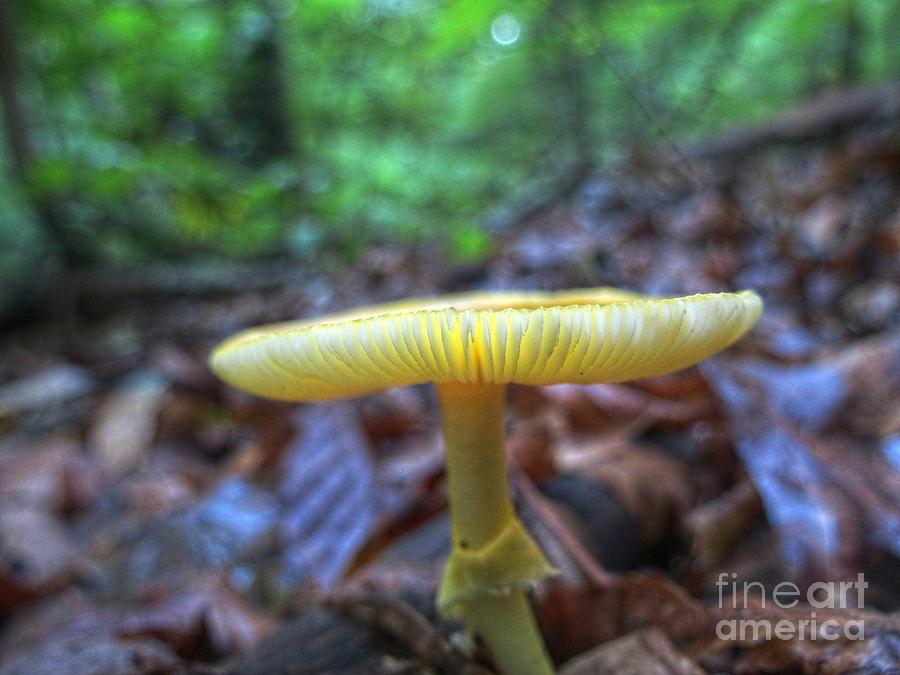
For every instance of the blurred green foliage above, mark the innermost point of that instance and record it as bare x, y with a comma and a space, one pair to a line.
168, 128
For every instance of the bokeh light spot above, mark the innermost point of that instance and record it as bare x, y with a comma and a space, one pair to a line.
505, 30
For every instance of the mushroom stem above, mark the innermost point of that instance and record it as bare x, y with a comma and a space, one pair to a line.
494, 560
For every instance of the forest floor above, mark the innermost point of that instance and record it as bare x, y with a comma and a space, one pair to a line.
153, 520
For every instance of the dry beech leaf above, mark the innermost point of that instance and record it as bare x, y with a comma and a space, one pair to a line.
878, 652
625, 402
207, 621
229, 522
651, 488
645, 652
328, 495
716, 526
394, 413
36, 474
36, 556
818, 490
45, 389
94, 655
575, 618
126, 422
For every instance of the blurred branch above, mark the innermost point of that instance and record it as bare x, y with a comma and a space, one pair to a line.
542, 196
826, 115
191, 278
407, 627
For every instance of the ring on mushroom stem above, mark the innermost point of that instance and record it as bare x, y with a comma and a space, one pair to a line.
471, 345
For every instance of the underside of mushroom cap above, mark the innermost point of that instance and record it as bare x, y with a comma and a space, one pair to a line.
593, 335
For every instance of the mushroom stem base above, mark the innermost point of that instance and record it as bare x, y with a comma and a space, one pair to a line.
494, 560
506, 624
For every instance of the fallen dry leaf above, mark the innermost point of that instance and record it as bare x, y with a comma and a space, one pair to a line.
203, 623
816, 492
718, 525
126, 422
35, 474
92, 656
36, 556
45, 389
407, 627
328, 495
575, 618
645, 652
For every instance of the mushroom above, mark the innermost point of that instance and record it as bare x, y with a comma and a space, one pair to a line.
471, 346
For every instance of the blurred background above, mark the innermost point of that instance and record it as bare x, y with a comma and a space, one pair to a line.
188, 130
177, 170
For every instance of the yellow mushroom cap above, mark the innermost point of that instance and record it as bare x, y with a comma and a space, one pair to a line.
591, 335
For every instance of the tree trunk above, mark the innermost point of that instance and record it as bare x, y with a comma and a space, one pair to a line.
19, 139
259, 99
850, 67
